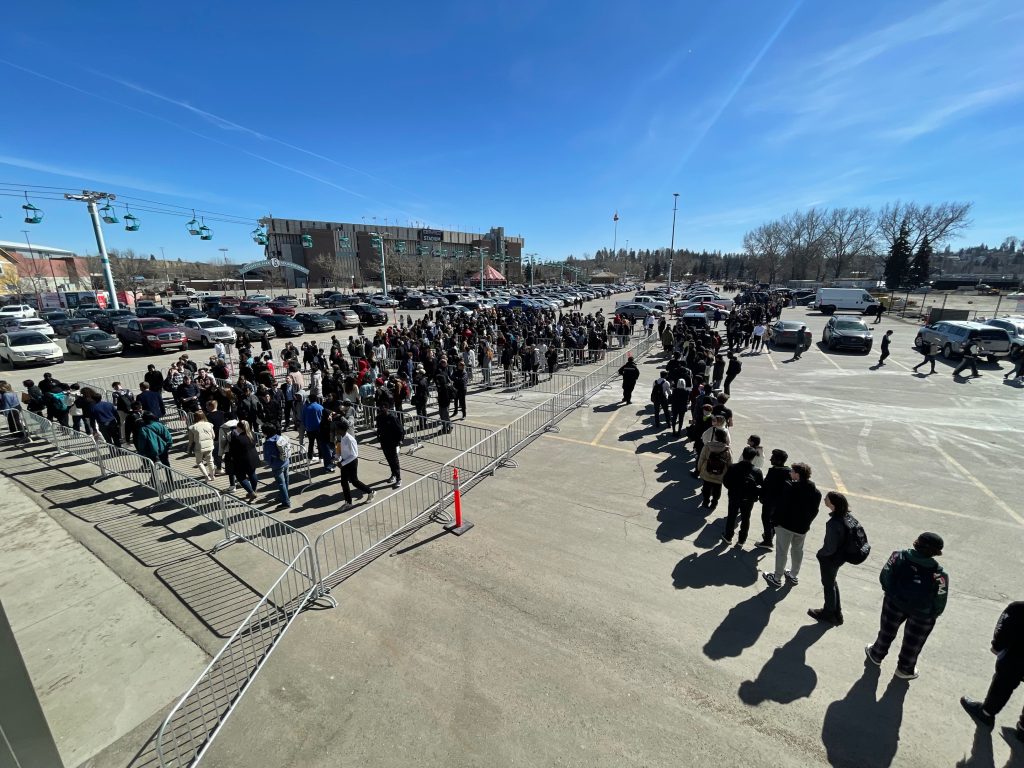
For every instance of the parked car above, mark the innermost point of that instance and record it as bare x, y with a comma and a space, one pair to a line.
637, 311
93, 343
89, 312
789, 333
831, 300
337, 300
207, 331
286, 325
17, 310
415, 302
163, 314
314, 322
249, 327
189, 313
370, 315
257, 308
31, 324
112, 317
258, 298
20, 348
343, 318
847, 333
152, 333
53, 315
1013, 326
72, 324
292, 301
145, 303
220, 310
951, 335
380, 300
281, 307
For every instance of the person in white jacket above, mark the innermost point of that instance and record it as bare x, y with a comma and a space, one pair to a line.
201, 441
349, 463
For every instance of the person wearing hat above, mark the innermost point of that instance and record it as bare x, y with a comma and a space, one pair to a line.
630, 374
916, 589
421, 394
1008, 647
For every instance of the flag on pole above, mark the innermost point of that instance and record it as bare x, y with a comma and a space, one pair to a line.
616, 216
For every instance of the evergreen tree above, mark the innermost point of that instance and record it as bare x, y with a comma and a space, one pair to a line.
647, 272
897, 265
920, 267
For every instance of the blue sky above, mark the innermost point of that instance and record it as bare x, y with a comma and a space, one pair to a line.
543, 117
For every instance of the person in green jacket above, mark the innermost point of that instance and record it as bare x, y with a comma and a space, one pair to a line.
916, 589
153, 440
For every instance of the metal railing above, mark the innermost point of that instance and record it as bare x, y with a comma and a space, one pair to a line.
197, 718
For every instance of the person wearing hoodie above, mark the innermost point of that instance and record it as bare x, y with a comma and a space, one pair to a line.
772, 492
153, 440
629, 373
831, 558
916, 589
743, 480
792, 520
715, 459
1008, 647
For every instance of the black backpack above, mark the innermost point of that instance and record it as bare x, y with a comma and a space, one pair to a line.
716, 463
855, 542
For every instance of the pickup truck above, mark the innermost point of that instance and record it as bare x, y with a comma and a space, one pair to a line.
152, 333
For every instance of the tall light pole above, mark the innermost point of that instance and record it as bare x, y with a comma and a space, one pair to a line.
533, 266
90, 199
615, 237
483, 252
379, 238
672, 247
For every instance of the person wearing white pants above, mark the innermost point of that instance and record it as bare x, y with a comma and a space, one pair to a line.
792, 519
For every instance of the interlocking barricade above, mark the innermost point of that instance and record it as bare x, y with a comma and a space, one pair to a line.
475, 463
126, 463
200, 714
299, 465
526, 427
242, 521
76, 443
347, 546
431, 429
189, 492
38, 427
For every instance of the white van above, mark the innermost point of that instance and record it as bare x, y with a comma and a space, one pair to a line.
831, 300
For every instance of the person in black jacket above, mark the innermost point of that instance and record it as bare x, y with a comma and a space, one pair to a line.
831, 558
460, 380
775, 482
743, 481
390, 435
630, 374
444, 396
970, 356
1008, 646
732, 371
421, 394
792, 519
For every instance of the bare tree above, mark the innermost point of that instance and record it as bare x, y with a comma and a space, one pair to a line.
849, 236
765, 245
939, 223
331, 269
804, 239
132, 273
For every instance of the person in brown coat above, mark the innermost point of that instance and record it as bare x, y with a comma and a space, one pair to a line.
715, 460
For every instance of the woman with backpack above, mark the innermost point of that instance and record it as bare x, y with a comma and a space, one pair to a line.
715, 459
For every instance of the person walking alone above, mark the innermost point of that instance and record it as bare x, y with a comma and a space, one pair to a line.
630, 374
1008, 646
349, 463
970, 358
916, 589
731, 371
886, 340
930, 350
792, 520
831, 558
743, 481
390, 436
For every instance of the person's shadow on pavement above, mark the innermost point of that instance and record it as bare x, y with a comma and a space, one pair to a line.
743, 625
981, 751
786, 676
715, 568
860, 731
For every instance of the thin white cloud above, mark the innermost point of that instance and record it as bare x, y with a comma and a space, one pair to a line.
955, 109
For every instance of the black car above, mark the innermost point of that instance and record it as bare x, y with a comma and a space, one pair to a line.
337, 300
188, 313
108, 317
249, 327
370, 315
789, 333
93, 343
89, 312
163, 314
414, 302
220, 310
314, 322
285, 326
847, 333
71, 324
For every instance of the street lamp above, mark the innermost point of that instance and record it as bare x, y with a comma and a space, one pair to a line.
377, 239
483, 252
531, 257
672, 247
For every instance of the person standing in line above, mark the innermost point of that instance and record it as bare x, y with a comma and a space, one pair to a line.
731, 371
754, 441
659, 397
712, 465
773, 490
460, 380
930, 350
390, 436
743, 481
916, 589
11, 408
153, 440
216, 417
445, 390
630, 374
349, 463
679, 401
105, 415
202, 438
277, 452
792, 520
312, 420
886, 340
649, 324
421, 394
717, 372
970, 356
830, 559
244, 459
1008, 647
758, 337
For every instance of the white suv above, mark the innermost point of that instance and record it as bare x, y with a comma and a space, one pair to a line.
17, 310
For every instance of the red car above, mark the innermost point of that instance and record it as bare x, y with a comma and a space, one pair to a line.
255, 308
282, 308
151, 333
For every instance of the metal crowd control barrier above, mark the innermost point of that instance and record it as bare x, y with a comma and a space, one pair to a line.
345, 547
197, 718
126, 463
244, 522
473, 465
187, 491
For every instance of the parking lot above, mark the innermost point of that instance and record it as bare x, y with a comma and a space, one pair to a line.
593, 618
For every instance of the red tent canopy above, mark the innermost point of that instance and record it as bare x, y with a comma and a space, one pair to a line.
491, 277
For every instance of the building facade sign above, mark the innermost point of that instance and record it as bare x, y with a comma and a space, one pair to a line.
431, 235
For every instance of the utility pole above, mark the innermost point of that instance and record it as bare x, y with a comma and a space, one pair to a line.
615, 237
90, 199
672, 247
383, 274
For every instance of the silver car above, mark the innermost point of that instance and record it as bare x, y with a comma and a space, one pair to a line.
951, 335
1013, 326
207, 331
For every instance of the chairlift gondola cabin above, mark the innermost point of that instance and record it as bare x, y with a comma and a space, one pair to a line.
205, 233
108, 214
131, 223
259, 236
307, 241
33, 215
193, 226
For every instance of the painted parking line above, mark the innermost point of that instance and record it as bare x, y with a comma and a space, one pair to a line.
828, 357
978, 483
837, 481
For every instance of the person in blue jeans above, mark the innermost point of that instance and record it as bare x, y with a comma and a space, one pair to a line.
318, 433
277, 451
